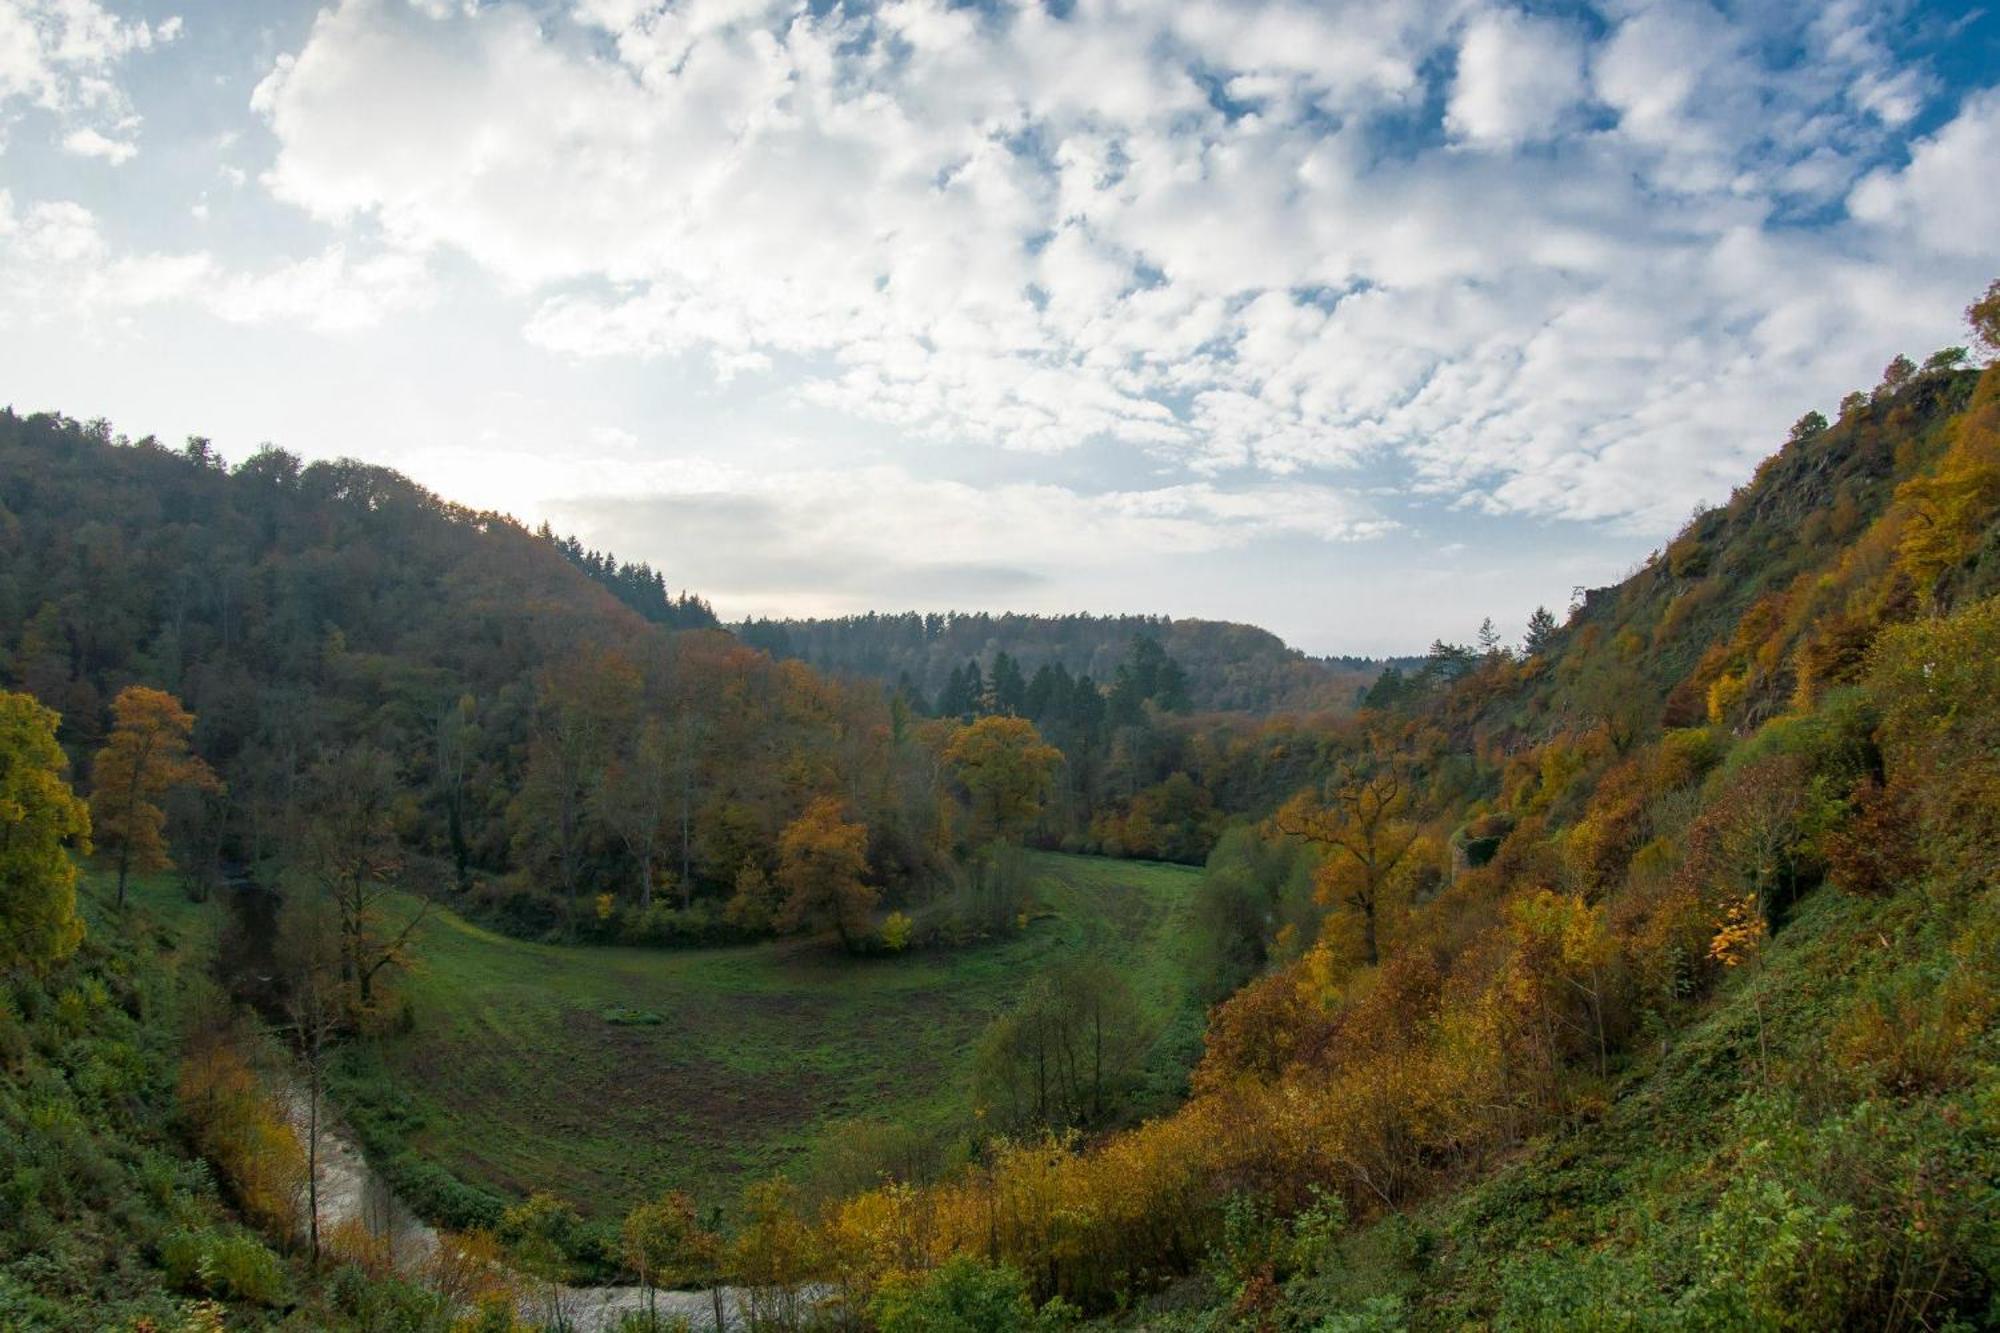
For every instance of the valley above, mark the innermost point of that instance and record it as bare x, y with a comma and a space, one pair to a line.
737, 1062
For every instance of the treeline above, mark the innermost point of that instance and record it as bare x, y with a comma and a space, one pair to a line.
1229, 667
638, 586
532, 731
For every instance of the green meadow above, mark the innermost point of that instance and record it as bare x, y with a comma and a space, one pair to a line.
605, 1075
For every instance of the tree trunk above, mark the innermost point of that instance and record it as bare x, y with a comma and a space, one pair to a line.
312, 1146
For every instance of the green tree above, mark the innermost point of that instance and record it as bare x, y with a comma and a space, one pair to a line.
41, 822
1541, 632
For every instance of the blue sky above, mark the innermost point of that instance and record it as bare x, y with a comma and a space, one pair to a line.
1361, 322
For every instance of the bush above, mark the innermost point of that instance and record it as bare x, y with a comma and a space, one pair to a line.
230, 1264
964, 1296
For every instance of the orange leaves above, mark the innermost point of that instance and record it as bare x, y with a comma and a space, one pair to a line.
821, 859
1739, 932
242, 1129
146, 757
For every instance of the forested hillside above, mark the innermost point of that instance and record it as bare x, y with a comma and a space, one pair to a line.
1685, 922
1227, 667
335, 628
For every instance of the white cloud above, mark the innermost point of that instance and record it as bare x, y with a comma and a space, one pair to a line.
1190, 227
62, 57
88, 142
56, 262
1517, 79
829, 539
1946, 200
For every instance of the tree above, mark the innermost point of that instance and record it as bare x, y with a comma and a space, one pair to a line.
455, 736
1541, 632
540, 1231
41, 822
633, 797
350, 854
666, 1245
1489, 639
146, 757
1895, 375
1064, 1054
1807, 427
308, 953
1363, 819
821, 860
774, 1255
1983, 316
1006, 769
583, 705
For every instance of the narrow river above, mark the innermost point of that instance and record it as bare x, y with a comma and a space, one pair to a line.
349, 1190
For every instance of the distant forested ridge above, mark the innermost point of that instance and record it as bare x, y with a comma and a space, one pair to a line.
639, 586
1229, 667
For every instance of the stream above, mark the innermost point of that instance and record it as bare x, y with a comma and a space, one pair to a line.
350, 1190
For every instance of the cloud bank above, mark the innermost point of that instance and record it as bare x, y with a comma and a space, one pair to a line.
1557, 267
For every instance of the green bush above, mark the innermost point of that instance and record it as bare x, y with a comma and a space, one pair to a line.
964, 1296
231, 1264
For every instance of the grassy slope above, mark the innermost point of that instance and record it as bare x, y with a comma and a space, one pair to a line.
513, 1080
1612, 1224
92, 1173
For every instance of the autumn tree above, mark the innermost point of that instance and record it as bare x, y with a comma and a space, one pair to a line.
1364, 820
1983, 316
665, 1245
634, 797
146, 757
1005, 768
41, 822
541, 1230
822, 857
774, 1255
350, 854
583, 705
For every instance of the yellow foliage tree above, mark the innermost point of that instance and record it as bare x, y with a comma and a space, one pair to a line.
1006, 769
41, 820
146, 757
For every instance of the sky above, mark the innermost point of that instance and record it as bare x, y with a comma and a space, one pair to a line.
1361, 322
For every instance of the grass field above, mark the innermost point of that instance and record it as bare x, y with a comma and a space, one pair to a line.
515, 1078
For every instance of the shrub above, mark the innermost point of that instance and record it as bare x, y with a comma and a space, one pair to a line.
964, 1296
233, 1265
